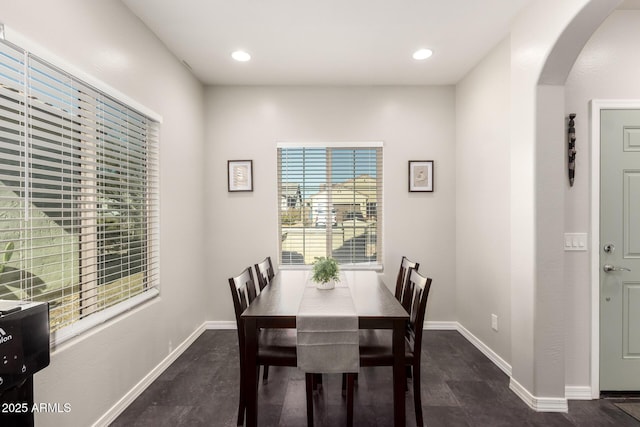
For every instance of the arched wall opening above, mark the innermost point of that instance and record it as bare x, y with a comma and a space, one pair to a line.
545, 42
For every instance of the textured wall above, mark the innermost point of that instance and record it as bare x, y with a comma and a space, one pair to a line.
482, 201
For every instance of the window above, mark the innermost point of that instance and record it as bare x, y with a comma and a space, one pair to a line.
338, 203
78, 193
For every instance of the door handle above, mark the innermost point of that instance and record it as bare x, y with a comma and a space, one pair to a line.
609, 268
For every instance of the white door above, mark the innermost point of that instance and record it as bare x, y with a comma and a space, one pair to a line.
619, 250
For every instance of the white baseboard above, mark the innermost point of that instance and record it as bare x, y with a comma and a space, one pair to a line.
110, 416
441, 326
484, 349
220, 324
578, 393
539, 404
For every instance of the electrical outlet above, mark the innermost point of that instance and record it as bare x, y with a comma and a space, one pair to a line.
494, 322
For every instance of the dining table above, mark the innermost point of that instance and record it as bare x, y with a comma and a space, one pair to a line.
278, 304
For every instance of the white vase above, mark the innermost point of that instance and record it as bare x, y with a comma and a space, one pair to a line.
329, 285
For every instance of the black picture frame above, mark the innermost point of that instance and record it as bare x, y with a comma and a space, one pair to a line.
421, 176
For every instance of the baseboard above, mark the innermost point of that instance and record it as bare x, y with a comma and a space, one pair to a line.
110, 416
578, 393
539, 404
484, 349
441, 326
220, 324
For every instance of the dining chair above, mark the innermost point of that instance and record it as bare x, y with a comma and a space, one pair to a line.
403, 290
376, 345
276, 347
264, 271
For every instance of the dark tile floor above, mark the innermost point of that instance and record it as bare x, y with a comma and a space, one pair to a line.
461, 387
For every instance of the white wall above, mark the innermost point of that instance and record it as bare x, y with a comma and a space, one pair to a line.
415, 123
549, 291
607, 68
103, 39
482, 200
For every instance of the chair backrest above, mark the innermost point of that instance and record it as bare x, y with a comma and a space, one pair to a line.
264, 271
243, 292
402, 290
421, 286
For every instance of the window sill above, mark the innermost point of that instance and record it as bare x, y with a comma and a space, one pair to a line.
75, 329
347, 267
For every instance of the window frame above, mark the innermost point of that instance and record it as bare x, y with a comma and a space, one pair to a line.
377, 266
151, 216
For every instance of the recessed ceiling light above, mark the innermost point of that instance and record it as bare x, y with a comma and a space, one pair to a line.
422, 54
241, 55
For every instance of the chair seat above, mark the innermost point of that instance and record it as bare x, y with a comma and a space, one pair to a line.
376, 348
277, 347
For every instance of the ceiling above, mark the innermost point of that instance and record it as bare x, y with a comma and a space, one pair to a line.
328, 42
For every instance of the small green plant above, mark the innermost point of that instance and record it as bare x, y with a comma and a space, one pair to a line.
6, 256
325, 269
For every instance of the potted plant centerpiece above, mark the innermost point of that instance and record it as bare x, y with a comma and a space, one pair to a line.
325, 273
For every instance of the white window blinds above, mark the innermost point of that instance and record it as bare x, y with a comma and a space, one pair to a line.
78, 192
330, 203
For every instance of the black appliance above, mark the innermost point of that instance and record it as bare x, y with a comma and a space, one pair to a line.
24, 350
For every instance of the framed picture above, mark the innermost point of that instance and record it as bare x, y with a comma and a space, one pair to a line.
240, 175
420, 176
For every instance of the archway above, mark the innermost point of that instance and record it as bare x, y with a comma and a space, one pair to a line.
546, 40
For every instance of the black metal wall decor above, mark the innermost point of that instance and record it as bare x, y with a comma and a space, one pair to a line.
572, 148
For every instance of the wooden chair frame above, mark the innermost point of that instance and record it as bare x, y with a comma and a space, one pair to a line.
264, 272
403, 285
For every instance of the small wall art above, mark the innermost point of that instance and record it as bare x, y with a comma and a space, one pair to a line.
420, 176
240, 175
572, 148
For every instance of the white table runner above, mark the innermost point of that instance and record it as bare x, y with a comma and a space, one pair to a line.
327, 330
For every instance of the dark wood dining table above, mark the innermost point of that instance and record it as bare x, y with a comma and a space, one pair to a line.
277, 306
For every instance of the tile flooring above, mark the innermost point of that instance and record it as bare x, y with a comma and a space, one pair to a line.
460, 387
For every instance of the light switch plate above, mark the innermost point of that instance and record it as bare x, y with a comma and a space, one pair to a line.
575, 242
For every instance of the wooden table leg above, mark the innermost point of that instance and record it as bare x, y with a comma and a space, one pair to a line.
251, 376
399, 373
